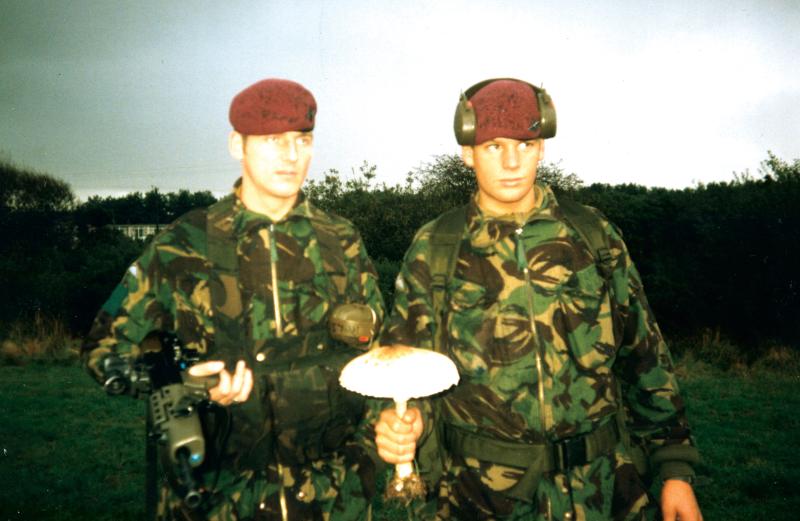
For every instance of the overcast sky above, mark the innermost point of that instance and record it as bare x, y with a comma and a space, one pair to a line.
124, 96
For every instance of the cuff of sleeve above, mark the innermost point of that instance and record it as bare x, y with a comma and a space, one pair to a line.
685, 479
676, 470
675, 460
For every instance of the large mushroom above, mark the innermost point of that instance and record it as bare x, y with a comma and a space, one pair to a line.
400, 373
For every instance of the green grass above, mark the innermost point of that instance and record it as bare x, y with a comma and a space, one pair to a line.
67, 451
748, 429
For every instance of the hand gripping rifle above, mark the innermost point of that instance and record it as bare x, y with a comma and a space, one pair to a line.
173, 422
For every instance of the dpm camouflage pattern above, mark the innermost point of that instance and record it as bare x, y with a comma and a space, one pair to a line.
296, 415
544, 350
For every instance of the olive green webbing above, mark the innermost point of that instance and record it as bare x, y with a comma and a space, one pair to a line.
539, 458
445, 242
589, 227
468, 444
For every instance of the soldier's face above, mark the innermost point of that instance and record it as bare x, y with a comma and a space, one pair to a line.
274, 166
505, 170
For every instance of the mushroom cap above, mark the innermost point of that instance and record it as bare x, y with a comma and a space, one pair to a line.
399, 372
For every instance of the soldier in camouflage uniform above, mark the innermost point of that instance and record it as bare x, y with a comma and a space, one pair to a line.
567, 387
250, 284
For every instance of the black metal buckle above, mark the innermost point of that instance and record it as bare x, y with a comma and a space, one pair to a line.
569, 453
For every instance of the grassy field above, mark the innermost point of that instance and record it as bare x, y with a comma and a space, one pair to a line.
69, 452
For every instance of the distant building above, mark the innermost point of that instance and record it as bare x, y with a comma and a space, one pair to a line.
139, 232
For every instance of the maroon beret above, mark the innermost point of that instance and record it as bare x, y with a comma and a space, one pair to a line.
506, 108
272, 106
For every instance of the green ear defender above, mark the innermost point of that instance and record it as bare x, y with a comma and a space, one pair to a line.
464, 121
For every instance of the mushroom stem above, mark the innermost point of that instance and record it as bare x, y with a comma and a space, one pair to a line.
400, 406
402, 470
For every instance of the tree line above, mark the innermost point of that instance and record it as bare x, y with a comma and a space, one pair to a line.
718, 257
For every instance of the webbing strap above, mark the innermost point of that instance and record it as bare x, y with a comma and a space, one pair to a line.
445, 241
590, 229
537, 459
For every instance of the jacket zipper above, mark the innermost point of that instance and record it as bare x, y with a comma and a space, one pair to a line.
522, 262
273, 266
276, 304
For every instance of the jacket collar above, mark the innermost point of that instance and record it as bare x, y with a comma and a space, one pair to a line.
485, 230
247, 221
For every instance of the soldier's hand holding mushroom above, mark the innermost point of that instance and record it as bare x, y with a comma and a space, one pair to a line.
396, 437
400, 373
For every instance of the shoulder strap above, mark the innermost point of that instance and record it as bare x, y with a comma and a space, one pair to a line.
590, 229
445, 241
226, 296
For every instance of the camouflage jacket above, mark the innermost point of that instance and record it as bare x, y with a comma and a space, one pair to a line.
297, 414
543, 345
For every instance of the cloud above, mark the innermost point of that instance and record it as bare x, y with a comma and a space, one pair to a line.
659, 94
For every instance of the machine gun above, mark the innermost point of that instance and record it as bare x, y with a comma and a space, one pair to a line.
177, 399
173, 421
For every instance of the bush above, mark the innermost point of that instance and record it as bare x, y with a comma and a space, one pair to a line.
387, 272
781, 359
721, 354
44, 340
